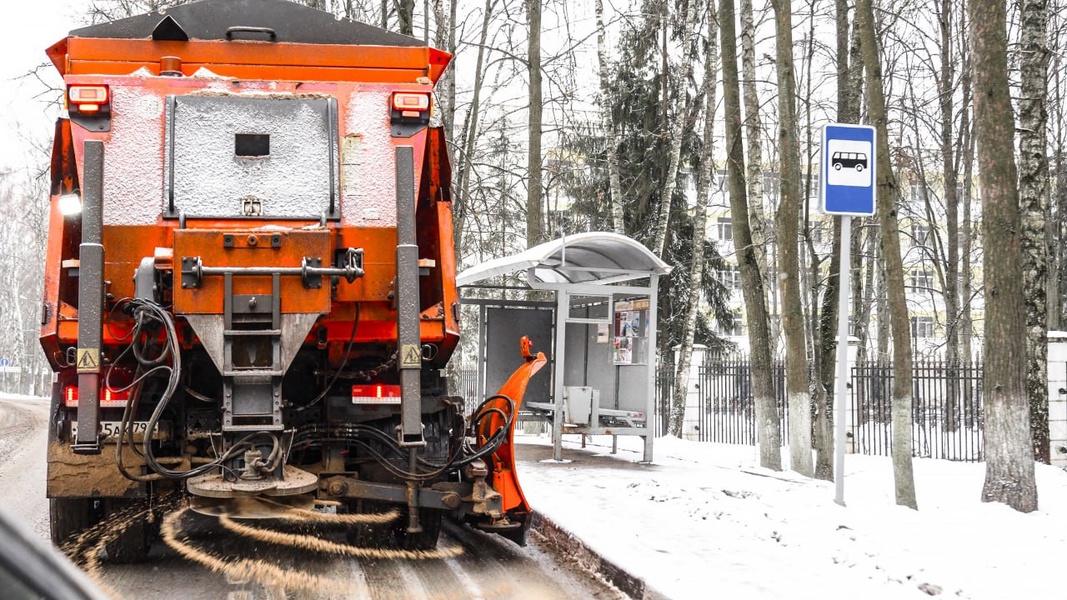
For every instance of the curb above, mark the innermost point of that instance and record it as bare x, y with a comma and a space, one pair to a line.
570, 546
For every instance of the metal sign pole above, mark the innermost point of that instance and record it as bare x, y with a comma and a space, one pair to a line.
842, 357
847, 187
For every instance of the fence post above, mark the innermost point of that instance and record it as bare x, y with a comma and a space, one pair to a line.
691, 423
1057, 401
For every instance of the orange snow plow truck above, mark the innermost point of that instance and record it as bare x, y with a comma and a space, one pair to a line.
250, 290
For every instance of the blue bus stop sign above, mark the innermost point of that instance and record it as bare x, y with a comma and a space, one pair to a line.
847, 177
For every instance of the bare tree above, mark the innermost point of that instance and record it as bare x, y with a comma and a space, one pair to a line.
787, 222
1034, 200
610, 134
1009, 452
848, 111
966, 225
405, 16
754, 132
903, 475
445, 37
534, 218
700, 222
947, 12
100, 11
677, 129
752, 286
1057, 225
470, 130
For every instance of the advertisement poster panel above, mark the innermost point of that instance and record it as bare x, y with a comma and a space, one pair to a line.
631, 332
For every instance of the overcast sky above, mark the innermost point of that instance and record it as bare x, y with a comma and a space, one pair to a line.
23, 41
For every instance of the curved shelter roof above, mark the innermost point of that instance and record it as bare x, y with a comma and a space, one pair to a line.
594, 257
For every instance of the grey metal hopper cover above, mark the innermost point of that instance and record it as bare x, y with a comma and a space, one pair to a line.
210, 19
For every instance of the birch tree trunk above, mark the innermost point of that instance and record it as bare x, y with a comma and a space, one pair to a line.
608, 122
903, 475
677, 127
1009, 453
754, 131
752, 287
700, 222
1034, 202
796, 358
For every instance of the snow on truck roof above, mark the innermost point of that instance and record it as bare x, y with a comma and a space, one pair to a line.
212, 20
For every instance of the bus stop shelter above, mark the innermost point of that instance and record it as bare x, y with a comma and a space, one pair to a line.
597, 319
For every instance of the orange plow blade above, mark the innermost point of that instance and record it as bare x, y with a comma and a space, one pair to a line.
495, 414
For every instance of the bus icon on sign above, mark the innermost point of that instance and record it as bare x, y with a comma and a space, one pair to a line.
849, 160
848, 167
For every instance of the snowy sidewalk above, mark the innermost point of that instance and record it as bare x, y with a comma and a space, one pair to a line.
704, 522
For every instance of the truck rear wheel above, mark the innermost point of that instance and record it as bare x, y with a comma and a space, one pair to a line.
68, 517
135, 533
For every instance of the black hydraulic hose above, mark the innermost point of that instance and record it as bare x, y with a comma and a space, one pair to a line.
344, 361
142, 311
352, 434
143, 308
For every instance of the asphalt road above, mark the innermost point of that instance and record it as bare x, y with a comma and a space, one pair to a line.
481, 566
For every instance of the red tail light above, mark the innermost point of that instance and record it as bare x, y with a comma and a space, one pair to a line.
376, 394
411, 104
109, 398
88, 99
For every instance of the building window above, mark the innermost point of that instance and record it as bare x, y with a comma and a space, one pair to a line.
815, 231
729, 278
735, 276
922, 327
733, 327
770, 185
921, 279
920, 233
916, 192
725, 227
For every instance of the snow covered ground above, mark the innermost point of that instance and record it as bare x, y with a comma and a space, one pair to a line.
703, 521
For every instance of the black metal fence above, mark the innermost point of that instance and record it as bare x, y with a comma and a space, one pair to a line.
463, 382
947, 413
947, 417
726, 412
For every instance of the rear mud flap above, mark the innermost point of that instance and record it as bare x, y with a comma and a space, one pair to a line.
501, 463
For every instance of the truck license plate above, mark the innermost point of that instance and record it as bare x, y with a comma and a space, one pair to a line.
110, 430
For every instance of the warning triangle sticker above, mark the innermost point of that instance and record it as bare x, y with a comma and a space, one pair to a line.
87, 360
412, 356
